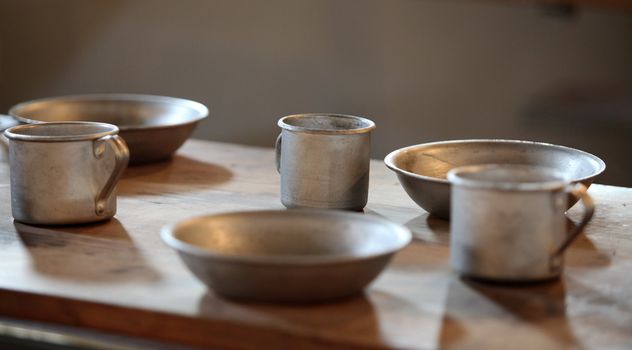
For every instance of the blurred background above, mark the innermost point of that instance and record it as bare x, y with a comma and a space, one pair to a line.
423, 70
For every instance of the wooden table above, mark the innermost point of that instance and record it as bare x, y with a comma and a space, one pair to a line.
119, 277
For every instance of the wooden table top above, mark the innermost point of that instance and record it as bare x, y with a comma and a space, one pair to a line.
120, 277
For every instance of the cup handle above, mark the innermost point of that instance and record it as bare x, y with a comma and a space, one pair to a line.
277, 148
7, 121
121, 157
579, 191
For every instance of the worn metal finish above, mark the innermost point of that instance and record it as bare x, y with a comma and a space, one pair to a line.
65, 172
508, 221
323, 160
422, 169
153, 127
287, 255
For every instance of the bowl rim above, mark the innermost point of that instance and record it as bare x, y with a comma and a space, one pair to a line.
202, 110
402, 237
389, 160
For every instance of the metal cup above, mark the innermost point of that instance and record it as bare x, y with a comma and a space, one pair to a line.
509, 223
324, 161
65, 172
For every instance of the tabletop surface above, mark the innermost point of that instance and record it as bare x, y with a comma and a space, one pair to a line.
120, 277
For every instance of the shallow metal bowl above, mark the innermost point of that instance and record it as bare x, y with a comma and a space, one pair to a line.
422, 169
153, 127
286, 255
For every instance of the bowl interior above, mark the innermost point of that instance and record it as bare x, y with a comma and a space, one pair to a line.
121, 110
436, 159
292, 234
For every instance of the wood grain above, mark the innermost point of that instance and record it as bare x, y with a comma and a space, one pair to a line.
119, 277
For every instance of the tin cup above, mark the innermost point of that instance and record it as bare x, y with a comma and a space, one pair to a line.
508, 222
324, 161
65, 172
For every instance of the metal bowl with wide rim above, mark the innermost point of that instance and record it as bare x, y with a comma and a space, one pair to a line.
422, 169
153, 127
286, 255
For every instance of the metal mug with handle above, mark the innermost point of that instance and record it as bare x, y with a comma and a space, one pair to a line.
324, 161
509, 223
65, 172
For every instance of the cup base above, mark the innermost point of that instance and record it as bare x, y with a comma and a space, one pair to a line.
62, 222
518, 282
332, 207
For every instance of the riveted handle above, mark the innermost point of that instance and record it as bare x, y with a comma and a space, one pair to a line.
277, 148
121, 157
579, 191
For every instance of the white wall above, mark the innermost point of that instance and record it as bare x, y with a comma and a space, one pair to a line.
423, 70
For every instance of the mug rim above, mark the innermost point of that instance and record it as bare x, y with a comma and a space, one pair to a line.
369, 125
455, 178
13, 132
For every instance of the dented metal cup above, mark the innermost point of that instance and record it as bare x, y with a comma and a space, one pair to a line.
324, 161
65, 172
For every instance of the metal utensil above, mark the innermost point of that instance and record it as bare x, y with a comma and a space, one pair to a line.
324, 160
422, 169
508, 221
286, 256
65, 172
153, 127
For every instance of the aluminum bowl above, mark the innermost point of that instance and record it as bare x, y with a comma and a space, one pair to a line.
422, 169
153, 127
286, 255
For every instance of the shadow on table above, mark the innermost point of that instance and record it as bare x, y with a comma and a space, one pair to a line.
492, 316
584, 253
428, 228
102, 252
186, 172
351, 321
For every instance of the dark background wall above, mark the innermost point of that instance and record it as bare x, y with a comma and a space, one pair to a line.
422, 70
